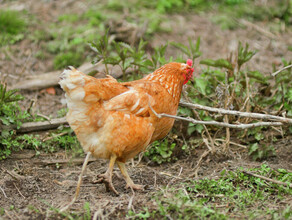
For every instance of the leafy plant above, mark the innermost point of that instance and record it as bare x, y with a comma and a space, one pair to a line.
260, 152
10, 115
161, 151
192, 50
101, 47
244, 54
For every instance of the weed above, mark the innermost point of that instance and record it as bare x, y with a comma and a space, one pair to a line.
95, 17
87, 215
161, 151
62, 112
12, 26
67, 59
2, 211
10, 115
238, 194
69, 18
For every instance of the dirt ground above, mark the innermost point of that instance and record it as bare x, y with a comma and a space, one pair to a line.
30, 185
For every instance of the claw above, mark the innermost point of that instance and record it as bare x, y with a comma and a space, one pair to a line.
104, 178
135, 186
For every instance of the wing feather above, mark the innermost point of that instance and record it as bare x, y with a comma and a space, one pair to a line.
131, 102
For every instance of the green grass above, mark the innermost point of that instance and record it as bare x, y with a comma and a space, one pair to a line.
68, 59
12, 117
233, 195
12, 26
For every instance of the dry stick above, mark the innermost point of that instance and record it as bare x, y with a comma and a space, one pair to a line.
204, 126
19, 191
61, 161
41, 125
221, 124
14, 175
78, 184
280, 70
268, 179
237, 113
199, 163
233, 143
226, 118
57, 135
3, 192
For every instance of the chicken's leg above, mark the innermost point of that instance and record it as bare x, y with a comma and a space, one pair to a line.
107, 177
129, 181
78, 184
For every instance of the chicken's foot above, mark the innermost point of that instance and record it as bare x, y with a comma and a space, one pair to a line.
129, 181
106, 178
78, 184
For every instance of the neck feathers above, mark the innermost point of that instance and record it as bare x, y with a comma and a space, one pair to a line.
169, 81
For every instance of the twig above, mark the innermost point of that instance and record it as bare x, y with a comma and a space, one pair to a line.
226, 118
237, 113
19, 191
78, 183
57, 135
14, 175
71, 161
41, 125
280, 70
205, 128
233, 143
195, 174
130, 204
51, 79
221, 124
170, 175
267, 179
3, 192
44, 116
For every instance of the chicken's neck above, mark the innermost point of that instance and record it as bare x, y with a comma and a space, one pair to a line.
170, 82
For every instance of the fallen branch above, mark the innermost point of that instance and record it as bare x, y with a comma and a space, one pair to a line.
238, 113
51, 79
268, 179
280, 70
63, 161
221, 124
41, 125
14, 175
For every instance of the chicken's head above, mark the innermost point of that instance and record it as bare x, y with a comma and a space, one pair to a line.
187, 70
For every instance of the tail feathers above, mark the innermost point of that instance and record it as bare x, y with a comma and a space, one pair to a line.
72, 82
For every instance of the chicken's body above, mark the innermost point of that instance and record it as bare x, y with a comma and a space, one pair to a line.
113, 120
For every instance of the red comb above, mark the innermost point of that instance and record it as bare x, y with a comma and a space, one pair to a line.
189, 62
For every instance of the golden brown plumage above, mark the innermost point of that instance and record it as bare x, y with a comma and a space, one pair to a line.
113, 120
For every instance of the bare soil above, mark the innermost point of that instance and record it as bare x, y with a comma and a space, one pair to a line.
30, 186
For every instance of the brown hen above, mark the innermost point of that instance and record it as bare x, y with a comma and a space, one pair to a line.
113, 120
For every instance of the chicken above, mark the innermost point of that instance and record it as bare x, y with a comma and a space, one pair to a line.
114, 120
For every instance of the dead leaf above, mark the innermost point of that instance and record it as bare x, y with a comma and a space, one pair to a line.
51, 91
